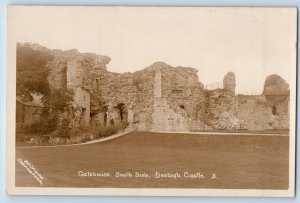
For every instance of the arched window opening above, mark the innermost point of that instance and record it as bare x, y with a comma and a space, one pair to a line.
120, 107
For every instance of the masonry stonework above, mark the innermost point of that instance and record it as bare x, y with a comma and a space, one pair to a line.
229, 82
164, 117
164, 98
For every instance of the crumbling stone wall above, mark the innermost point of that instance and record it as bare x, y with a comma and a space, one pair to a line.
222, 109
133, 90
162, 97
143, 107
115, 93
57, 78
58, 75
163, 117
182, 89
221, 105
229, 82
82, 101
254, 112
78, 80
184, 95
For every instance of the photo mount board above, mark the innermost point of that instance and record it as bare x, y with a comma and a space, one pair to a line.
35, 27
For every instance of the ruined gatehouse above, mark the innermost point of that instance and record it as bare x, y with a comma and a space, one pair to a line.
164, 98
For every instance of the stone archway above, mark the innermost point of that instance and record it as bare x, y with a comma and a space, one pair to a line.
122, 113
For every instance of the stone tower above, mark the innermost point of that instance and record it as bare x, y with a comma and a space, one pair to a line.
164, 117
76, 82
229, 82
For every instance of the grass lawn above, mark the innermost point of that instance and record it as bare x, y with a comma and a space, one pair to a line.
224, 161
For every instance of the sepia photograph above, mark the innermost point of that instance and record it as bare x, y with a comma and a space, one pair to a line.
159, 101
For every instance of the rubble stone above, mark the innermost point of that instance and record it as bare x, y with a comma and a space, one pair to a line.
229, 82
164, 98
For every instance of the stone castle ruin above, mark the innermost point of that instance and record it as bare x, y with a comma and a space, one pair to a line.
164, 98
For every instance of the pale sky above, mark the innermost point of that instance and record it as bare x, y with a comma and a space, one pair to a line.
253, 43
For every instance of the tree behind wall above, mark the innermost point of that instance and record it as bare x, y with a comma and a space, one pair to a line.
32, 71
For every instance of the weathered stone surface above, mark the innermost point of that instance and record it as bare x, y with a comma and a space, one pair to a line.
279, 122
254, 112
163, 98
229, 82
222, 109
163, 117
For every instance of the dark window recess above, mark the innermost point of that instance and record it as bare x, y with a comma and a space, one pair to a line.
105, 118
121, 114
121, 106
274, 111
112, 122
96, 84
